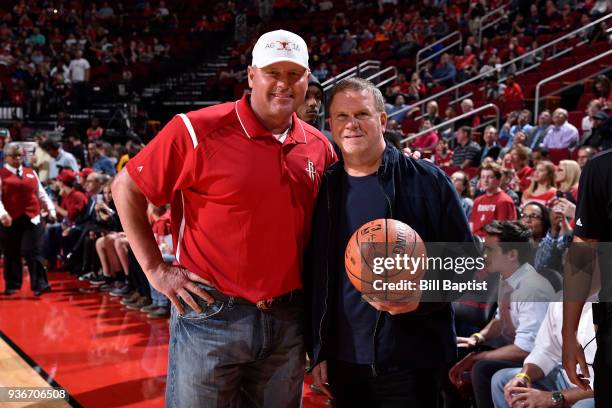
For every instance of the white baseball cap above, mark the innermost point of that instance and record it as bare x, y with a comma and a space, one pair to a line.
280, 45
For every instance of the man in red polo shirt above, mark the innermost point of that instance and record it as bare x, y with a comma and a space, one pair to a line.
494, 204
241, 179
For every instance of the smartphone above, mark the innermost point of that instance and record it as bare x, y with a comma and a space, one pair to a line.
99, 198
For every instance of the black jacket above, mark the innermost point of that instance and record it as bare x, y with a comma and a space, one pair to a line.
420, 195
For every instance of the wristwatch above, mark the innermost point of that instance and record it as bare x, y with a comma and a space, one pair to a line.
557, 399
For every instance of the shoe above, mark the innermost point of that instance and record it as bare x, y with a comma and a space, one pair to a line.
143, 301
107, 287
98, 281
9, 292
39, 292
121, 291
88, 276
159, 313
149, 309
134, 297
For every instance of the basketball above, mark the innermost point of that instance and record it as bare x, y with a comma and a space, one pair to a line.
382, 257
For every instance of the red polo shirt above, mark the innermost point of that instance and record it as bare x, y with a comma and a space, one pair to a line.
241, 201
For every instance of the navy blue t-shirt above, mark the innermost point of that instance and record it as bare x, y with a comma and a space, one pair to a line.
363, 200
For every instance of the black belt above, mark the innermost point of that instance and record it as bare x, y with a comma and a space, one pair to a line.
266, 305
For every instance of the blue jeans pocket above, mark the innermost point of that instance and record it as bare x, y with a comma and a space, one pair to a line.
207, 311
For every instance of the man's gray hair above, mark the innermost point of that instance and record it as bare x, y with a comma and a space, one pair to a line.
490, 127
13, 146
359, 84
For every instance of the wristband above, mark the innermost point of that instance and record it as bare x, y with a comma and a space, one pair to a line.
479, 338
525, 376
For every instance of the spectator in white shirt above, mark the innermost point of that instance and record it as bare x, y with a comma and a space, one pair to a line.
562, 134
542, 372
522, 304
162, 11
60, 159
592, 109
79, 68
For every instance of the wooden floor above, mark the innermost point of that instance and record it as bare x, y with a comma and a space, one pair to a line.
16, 372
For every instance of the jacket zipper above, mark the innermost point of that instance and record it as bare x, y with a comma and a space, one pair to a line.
326, 270
373, 365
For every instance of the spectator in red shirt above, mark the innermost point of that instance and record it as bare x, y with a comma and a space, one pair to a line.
73, 201
465, 60
513, 94
542, 188
494, 204
427, 141
443, 156
95, 131
519, 158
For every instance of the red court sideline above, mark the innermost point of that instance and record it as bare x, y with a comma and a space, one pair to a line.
85, 341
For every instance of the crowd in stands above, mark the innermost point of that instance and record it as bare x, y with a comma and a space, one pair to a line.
84, 234
518, 182
55, 55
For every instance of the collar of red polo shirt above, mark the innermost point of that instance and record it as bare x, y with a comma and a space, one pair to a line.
253, 128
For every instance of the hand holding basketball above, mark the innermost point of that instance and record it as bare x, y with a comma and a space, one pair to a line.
394, 308
376, 262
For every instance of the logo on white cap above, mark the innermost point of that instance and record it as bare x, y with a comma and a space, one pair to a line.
278, 46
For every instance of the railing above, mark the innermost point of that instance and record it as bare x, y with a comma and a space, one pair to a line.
522, 58
457, 41
495, 16
374, 78
351, 72
453, 120
536, 107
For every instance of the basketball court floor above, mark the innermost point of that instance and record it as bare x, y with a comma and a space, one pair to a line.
86, 342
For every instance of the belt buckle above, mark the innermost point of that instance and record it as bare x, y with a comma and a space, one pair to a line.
265, 305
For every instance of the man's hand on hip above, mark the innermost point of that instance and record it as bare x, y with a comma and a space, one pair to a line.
176, 281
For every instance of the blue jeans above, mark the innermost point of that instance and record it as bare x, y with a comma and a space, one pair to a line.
234, 355
554, 381
159, 298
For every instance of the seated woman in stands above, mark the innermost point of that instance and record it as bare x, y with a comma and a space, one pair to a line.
464, 189
519, 159
542, 187
567, 176
551, 234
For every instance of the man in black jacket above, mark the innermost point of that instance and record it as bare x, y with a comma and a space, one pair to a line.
376, 353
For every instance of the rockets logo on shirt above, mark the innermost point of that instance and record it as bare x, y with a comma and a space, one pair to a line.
486, 207
310, 169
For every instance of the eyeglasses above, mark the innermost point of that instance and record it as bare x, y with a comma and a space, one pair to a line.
15, 155
531, 217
